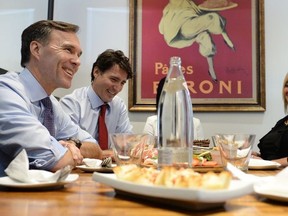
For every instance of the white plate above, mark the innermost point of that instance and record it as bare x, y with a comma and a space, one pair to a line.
262, 164
237, 189
275, 189
86, 168
8, 182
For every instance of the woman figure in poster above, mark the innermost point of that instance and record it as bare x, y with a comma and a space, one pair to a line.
183, 23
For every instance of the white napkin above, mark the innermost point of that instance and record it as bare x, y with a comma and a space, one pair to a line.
276, 183
246, 177
18, 170
283, 174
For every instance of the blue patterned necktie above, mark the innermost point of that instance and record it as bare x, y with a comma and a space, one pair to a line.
48, 121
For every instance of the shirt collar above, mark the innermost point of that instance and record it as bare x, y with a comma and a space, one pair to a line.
95, 100
33, 88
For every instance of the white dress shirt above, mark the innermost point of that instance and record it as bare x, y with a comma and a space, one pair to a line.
83, 106
151, 127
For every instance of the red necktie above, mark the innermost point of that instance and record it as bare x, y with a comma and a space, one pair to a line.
102, 129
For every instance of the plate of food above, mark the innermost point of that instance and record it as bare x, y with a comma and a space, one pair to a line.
204, 159
96, 165
209, 188
262, 164
86, 168
204, 162
7, 182
201, 143
217, 5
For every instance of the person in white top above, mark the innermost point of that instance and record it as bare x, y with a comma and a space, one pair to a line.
151, 127
151, 122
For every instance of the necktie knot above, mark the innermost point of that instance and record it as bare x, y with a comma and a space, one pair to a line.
103, 109
47, 103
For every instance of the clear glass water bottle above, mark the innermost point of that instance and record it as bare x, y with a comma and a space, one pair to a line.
175, 119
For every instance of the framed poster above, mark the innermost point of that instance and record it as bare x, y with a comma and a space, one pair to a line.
221, 45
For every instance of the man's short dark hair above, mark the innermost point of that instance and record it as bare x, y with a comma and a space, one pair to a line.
108, 59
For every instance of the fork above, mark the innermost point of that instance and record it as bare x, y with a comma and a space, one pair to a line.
106, 162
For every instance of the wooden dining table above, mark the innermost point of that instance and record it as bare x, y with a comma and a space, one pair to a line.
88, 197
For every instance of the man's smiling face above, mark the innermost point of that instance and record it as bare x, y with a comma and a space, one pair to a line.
59, 60
108, 84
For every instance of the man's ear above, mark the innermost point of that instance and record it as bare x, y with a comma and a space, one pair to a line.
35, 49
96, 72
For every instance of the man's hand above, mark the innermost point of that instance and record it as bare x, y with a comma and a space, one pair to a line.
75, 152
108, 153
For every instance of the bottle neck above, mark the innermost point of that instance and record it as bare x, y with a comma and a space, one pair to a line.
175, 61
175, 67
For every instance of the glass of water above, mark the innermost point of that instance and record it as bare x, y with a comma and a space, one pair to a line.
235, 149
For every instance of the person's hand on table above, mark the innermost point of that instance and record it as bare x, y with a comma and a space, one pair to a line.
256, 155
108, 153
76, 154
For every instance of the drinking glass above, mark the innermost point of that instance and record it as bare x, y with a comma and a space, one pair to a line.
235, 149
128, 148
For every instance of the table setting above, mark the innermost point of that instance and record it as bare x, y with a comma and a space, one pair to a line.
194, 198
18, 175
96, 165
197, 197
241, 184
97, 190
